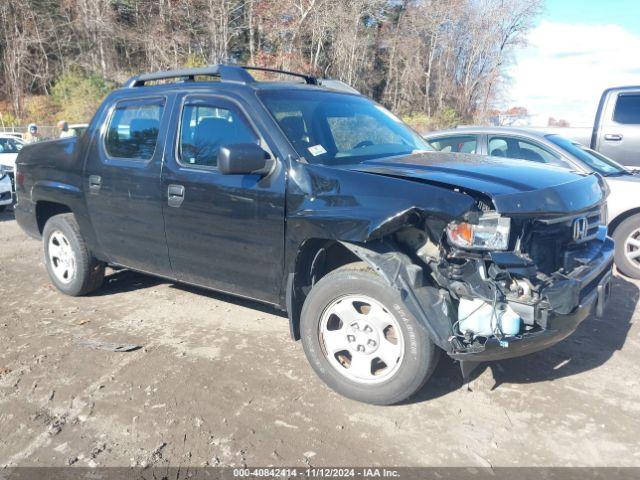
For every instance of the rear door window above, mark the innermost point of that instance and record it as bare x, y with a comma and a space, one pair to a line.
462, 144
133, 130
627, 109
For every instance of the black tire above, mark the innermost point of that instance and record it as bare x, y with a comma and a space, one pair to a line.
88, 273
620, 236
2, 208
421, 354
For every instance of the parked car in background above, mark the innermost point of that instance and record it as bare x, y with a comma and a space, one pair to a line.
623, 204
10, 145
6, 197
616, 130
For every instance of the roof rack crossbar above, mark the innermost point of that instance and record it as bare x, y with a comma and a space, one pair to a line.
307, 78
228, 73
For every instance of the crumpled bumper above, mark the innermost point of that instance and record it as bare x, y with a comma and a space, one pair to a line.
570, 300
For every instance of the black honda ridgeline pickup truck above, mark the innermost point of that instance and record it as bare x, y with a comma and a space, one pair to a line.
312, 198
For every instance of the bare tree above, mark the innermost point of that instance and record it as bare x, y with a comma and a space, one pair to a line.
428, 56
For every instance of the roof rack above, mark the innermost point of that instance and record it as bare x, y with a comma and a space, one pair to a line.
307, 78
226, 73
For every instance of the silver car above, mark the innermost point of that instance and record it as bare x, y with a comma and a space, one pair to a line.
544, 147
10, 146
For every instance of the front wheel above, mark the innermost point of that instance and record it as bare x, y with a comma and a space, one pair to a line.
362, 341
627, 253
71, 267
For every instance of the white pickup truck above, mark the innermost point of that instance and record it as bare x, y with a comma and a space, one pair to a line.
616, 130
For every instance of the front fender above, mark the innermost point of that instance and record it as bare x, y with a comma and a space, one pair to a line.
350, 206
360, 210
340, 204
430, 305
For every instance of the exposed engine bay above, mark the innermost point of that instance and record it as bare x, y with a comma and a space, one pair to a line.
501, 279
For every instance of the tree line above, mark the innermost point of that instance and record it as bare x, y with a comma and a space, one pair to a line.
441, 60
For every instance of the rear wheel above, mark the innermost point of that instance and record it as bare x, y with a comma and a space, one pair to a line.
627, 254
362, 341
2, 208
71, 267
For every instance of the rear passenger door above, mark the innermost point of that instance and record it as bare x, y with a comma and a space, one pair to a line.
122, 184
223, 231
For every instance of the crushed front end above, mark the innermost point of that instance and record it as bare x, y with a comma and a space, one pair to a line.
512, 285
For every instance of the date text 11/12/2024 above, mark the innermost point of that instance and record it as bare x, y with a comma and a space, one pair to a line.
317, 472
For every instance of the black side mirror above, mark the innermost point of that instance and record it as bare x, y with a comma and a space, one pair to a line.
243, 158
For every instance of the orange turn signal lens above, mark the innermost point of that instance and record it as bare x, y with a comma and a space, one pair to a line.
491, 232
462, 233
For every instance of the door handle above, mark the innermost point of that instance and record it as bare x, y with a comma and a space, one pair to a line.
613, 137
95, 182
175, 195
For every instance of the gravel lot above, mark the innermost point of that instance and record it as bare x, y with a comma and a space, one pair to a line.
219, 382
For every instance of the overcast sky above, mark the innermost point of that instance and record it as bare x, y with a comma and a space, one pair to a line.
577, 49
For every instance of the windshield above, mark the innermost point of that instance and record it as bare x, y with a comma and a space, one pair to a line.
594, 160
333, 129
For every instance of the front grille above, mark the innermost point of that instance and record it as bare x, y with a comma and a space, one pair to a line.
582, 227
554, 241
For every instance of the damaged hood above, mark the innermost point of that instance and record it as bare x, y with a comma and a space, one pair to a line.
514, 186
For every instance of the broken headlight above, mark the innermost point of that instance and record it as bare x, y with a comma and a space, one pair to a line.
490, 233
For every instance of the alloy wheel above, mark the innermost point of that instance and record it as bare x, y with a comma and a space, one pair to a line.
632, 248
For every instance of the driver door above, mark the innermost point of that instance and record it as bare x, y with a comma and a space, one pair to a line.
223, 231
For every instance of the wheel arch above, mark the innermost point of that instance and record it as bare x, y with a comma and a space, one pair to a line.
49, 198
315, 258
387, 260
46, 209
615, 223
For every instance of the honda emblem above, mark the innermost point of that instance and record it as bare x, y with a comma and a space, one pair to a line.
580, 228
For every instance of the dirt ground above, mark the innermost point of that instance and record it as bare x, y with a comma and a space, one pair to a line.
219, 382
